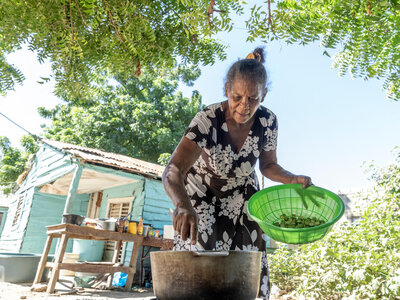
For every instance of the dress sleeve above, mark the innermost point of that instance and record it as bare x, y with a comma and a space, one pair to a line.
271, 132
199, 129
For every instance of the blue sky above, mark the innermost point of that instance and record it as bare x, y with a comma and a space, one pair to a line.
328, 125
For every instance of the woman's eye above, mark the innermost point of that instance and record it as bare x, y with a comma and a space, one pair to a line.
238, 98
253, 100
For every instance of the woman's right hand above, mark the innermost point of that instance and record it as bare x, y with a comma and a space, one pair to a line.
185, 222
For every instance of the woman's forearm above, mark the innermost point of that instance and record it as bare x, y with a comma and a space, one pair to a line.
174, 186
276, 173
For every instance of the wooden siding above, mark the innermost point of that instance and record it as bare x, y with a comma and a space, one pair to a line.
48, 165
52, 207
153, 205
156, 205
11, 238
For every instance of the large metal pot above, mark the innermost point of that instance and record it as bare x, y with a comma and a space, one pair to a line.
233, 275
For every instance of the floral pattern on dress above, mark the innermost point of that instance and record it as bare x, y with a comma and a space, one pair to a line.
221, 182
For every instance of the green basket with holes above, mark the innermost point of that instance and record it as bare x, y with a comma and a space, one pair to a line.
267, 206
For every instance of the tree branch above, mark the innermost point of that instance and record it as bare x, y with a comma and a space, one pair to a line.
211, 10
80, 12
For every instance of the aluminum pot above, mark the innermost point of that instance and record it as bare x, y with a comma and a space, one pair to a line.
206, 275
110, 225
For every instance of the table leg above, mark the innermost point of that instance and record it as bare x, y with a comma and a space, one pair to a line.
58, 259
132, 265
43, 260
117, 250
141, 266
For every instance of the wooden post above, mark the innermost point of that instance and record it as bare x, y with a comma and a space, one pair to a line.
132, 265
58, 260
73, 188
43, 260
117, 249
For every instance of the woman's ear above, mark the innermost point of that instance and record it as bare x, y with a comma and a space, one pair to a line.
226, 90
264, 94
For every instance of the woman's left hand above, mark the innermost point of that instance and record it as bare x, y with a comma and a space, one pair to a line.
305, 181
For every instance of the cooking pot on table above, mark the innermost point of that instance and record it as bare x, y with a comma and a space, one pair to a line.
206, 275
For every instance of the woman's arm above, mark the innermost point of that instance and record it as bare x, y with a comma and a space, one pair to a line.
185, 218
270, 168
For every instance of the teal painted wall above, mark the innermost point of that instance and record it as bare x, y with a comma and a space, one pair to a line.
156, 205
11, 237
127, 190
47, 209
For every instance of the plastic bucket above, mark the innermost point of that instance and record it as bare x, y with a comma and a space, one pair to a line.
88, 250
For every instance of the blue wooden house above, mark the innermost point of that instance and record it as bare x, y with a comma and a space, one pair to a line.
65, 178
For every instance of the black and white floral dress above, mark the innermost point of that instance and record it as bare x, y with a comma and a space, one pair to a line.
222, 180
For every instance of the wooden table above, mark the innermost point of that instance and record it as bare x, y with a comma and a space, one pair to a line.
70, 231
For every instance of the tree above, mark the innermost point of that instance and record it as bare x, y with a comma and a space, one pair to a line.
13, 161
82, 38
85, 38
352, 262
143, 117
362, 36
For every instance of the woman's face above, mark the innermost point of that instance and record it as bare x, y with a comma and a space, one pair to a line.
244, 97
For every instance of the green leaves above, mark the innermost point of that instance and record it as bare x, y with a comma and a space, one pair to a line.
142, 117
85, 38
13, 161
363, 33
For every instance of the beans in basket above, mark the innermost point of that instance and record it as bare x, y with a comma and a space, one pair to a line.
294, 221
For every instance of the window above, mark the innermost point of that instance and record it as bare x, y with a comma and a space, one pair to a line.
118, 207
18, 210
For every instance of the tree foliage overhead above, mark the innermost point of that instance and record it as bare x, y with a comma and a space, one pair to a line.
352, 262
82, 38
85, 38
362, 36
142, 117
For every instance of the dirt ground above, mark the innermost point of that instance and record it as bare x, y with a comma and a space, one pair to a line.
13, 291
65, 291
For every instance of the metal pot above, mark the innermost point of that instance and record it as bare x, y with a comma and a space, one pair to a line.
233, 275
72, 219
109, 225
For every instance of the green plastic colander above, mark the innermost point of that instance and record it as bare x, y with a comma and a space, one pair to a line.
266, 207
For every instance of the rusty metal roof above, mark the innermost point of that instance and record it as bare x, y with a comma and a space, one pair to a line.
108, 159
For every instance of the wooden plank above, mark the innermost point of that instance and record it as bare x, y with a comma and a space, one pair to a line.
132, 264
43, 260
91, 267
84, 232
128, 173
56, 270
164, 244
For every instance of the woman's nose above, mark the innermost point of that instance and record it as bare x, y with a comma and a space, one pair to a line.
245, 103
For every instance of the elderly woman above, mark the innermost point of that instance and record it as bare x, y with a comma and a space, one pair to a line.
210, 176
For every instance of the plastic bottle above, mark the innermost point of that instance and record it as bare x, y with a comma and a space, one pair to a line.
140, 227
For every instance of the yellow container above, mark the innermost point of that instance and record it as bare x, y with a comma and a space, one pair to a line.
140, 227
151, 232
132, 227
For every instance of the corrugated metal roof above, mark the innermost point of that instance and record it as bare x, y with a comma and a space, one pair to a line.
108, 159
